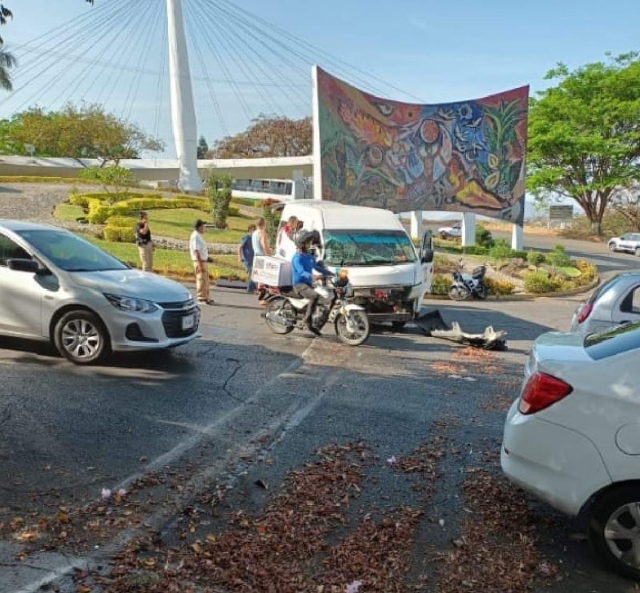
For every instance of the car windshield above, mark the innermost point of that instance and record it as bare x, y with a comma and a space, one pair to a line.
615, 341
71, 253
368, 248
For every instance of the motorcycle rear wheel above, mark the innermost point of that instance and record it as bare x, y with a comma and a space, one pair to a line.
359, 331
458, 293
274, 308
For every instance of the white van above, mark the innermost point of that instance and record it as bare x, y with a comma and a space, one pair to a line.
389, 275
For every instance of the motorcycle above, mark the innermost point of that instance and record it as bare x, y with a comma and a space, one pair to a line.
285, 311
467, 286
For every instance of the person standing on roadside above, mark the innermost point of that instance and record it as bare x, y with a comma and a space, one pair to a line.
245, 255
260, 244
200, 257
143, 240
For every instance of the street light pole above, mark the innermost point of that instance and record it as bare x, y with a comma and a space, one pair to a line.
183, 113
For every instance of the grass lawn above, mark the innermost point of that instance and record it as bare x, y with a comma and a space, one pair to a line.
68, 212
172, 262
178, 224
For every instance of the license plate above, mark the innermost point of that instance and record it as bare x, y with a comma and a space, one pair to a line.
188, 322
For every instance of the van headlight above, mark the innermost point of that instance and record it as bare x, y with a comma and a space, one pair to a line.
130, 304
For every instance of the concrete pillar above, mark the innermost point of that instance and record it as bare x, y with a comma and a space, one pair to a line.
298, 184
468, 229
517, 237
183, 113
315, 109
416, 224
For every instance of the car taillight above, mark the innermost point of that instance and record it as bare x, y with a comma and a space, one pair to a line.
541, 391
585, 312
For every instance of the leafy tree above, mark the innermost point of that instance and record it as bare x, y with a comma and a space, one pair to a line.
81, 132
203, 148
626, 203
584, 134
268, 136
219, 191
7, 61
115, 180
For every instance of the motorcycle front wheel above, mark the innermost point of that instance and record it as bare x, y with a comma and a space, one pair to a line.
458, 293
274, 309
352, 329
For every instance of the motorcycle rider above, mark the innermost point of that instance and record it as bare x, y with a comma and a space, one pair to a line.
303, 264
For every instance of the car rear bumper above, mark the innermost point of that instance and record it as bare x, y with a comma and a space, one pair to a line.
552, 462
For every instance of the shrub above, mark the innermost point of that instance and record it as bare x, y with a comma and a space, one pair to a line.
122, 221
219, 192
483, 237
475, 250
540, 282
558, 257
119, 234
499, 287
535, 258
587, 270
440, 284
501, 250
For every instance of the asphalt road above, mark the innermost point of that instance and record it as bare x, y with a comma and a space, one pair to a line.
208, 410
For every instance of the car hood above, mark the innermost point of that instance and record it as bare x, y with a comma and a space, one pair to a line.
133, 283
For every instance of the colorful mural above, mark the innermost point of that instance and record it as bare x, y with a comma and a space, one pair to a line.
466, 156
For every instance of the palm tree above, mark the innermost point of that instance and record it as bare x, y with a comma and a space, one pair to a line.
7, 61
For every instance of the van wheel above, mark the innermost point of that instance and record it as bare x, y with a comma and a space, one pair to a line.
81, 337
614, 530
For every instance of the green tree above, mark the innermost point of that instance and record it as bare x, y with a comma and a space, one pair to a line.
81, 132
584, 134
268, 136
219, 191
203, 148
7, 62
115, 180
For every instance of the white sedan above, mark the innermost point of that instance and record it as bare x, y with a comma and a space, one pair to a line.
629, 243
572, 438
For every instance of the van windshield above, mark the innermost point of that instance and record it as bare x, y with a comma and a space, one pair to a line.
346, 247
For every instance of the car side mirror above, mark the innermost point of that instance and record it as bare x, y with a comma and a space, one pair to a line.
23, 265
427, 256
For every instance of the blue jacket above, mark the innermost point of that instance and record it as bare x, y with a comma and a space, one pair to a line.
246, 249
303, 264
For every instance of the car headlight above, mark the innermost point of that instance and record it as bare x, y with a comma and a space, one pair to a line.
131, 304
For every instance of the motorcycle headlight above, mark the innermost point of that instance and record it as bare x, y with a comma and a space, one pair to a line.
131, 304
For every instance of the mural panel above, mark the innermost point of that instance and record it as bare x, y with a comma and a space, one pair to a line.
465, 156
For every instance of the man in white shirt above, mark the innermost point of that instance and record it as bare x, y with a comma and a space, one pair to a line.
200, 258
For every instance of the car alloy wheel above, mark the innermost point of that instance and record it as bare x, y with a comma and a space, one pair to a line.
80, 336
614, 529
612, 246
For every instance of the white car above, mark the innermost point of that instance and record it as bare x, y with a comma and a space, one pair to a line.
58, 287
572, 438
629, 242
450, 232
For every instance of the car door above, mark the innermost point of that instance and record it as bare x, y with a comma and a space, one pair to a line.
627, 309
625, 243
22, 294
426, 261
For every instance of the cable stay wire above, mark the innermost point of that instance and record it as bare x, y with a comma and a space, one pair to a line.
232, 41
209, 38
261, 57
316, 50
49, 66
127, 48
161, 89
75, 38
85, 72
203, 68
145, 54
240, 63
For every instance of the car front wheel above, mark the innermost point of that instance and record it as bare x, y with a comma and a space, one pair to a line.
614, 529
612, 246
81, 337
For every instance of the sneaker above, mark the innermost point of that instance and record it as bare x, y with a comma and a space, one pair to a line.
206, 302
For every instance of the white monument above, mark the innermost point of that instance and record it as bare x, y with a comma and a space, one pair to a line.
183, 113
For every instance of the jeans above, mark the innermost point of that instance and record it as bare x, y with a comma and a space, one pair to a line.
251, 285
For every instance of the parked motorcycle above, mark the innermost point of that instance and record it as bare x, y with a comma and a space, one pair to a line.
466, 286
285, 311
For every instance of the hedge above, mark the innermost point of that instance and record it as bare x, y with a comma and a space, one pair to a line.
36, 179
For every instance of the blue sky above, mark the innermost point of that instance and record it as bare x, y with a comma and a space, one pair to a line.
437, 51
